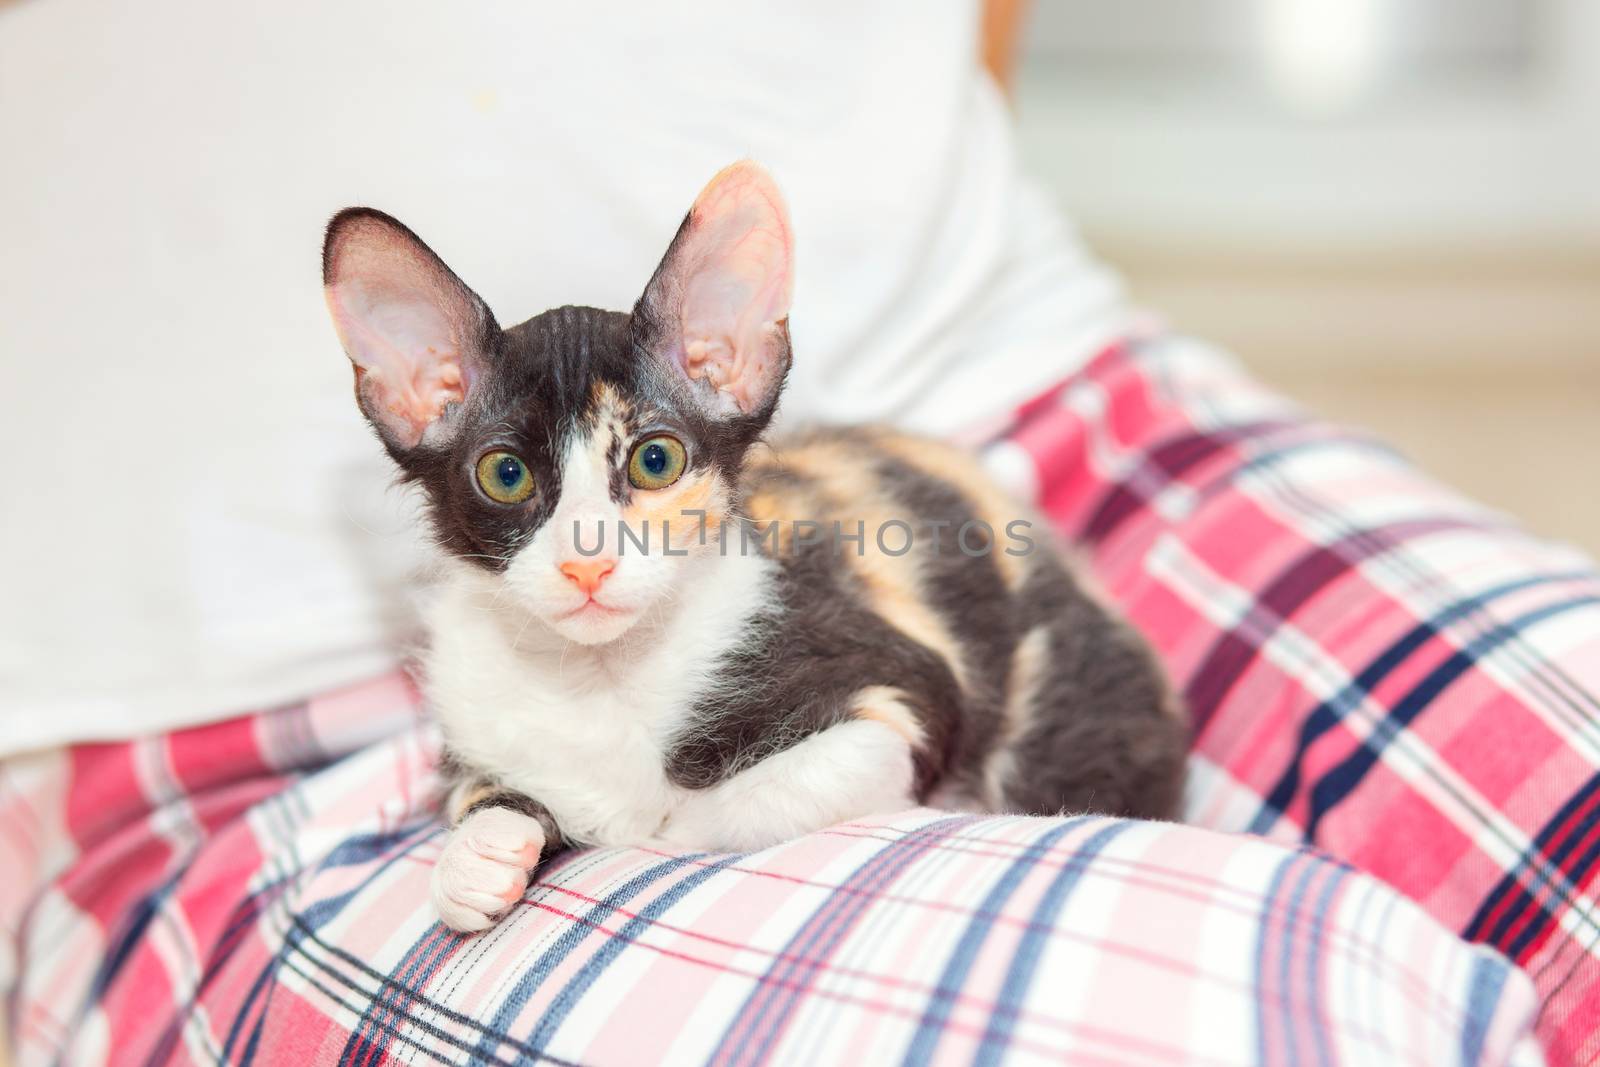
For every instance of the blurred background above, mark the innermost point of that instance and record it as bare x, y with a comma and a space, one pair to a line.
1388, 208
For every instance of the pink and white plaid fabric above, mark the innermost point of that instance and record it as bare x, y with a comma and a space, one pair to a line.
256, 892
1374, 666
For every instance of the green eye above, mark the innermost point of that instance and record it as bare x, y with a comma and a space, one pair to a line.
656, 462
505, 477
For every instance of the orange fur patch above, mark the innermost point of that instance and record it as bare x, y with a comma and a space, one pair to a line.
463, 796
961, 469
890, 706
837, 484
665, 512
1029, 661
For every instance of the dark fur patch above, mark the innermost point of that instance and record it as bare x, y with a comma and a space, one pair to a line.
535, 394
1106, 733
799, 674
1102, 734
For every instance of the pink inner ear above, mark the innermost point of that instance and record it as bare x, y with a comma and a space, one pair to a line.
407, 353
406, 323
737, 283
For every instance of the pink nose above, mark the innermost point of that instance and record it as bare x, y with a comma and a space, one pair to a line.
587, 574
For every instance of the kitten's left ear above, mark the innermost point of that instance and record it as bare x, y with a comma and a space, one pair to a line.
718, 305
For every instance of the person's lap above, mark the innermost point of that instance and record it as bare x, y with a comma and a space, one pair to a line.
257, 892
1373, 666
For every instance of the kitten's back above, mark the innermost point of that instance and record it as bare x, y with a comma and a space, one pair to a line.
1042, 699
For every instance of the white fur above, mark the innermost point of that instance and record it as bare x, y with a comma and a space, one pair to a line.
584, 729
845, 772
483, 869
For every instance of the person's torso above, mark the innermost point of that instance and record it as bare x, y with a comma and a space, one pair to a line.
199, 521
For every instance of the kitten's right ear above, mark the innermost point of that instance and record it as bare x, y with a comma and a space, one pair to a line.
417, 335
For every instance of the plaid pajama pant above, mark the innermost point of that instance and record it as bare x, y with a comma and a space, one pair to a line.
1374, 666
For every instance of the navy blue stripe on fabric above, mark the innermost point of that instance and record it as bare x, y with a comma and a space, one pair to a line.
260, 990
749, 1036
1014, 989
937, 1014
1315, 570
1511, 882
1296, 1021
1314, 943
498, 1030
131, 937
417, 1022
1484, 987
267, 981
559, 1008
368, 1040
1557, 841
229, 938
1335, 876
411, 1037
1576, 876
1269, 909
1330, 712
363, 848
234, 933
1541, 674
1339, 782
815, 944
128, 940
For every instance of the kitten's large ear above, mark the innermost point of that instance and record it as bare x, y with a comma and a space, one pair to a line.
417, 335
718, 305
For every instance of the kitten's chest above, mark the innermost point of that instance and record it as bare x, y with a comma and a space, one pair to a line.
589, 740
595, 758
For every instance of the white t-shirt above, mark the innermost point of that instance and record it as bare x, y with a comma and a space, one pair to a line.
196, 520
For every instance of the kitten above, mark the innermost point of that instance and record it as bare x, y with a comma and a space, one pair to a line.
617, 657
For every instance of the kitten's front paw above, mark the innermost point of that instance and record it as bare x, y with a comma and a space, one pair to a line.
484, 867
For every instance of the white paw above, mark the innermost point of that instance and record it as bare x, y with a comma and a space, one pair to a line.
484, 867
